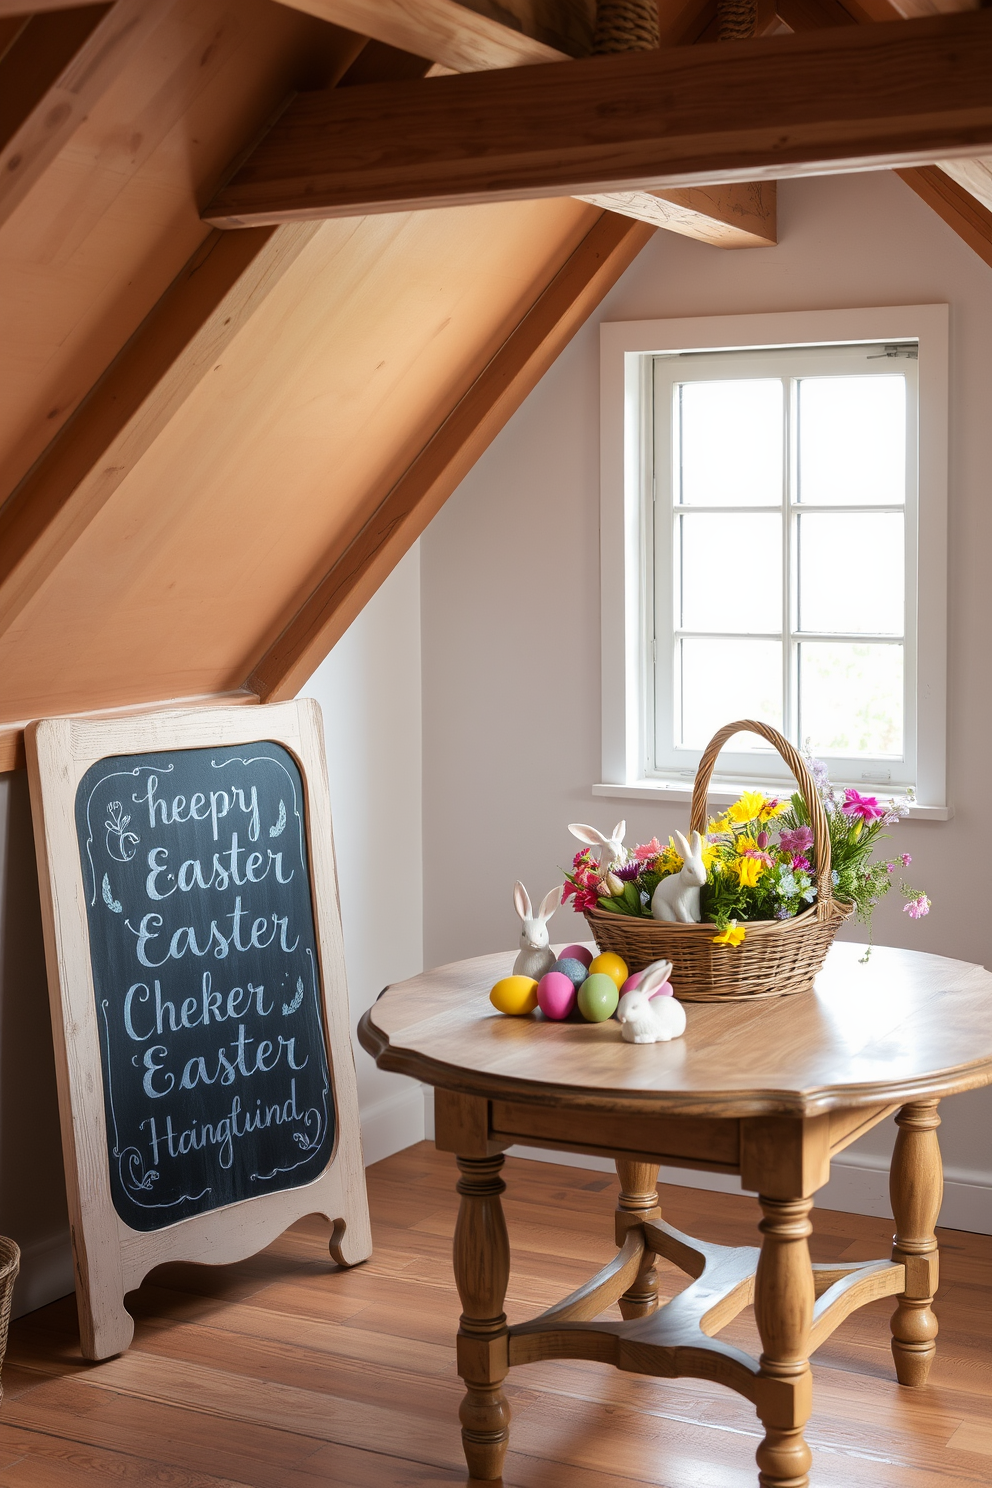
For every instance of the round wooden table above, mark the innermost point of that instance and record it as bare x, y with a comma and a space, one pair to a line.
770, 1089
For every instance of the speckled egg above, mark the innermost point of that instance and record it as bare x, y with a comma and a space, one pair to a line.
577, 953
610, 965
514, 995
555, 995
573, 969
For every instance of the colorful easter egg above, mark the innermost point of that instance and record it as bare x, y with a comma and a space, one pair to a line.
514, 995
598, 997
555, 994
610, 965
573, 969
632, 982
577, 953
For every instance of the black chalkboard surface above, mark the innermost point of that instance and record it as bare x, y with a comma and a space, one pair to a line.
205, 968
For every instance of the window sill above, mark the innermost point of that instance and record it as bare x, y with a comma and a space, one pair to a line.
725, 795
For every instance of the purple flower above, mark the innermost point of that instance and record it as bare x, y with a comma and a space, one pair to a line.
905, 860
797, 841
783, 913
917, 908
801, 864
890, 867
628, 872
864, 807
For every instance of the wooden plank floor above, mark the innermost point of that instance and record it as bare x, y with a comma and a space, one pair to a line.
285, 1373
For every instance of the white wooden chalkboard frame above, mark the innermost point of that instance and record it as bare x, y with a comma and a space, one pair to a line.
110, 1258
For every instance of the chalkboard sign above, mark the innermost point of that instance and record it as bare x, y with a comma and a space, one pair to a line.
206, 1077
204, 955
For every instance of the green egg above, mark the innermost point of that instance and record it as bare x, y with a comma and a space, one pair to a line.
598, 997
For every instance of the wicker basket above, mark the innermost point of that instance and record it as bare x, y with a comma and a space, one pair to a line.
777, 956
10, 1263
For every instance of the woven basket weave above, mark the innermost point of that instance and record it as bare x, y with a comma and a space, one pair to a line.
10, 1263
776, 957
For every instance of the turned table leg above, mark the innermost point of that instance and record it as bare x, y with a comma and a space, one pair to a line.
783, 1311
916, 1185
638, 1201
482, 1269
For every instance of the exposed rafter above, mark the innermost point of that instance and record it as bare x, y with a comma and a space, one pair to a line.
460, 39
355, 575
863, 97
959, 208
50, 77
173, 349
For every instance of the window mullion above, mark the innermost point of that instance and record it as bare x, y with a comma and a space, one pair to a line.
789, 620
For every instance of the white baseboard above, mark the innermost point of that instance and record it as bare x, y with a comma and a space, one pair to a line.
46, 1273
393, 1123
859, 1184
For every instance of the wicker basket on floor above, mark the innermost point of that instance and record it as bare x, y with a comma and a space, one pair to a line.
10, 1262
776, 957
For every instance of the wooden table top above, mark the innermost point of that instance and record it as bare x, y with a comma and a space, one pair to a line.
905, 1025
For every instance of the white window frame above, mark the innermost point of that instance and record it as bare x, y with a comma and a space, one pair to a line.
627, 350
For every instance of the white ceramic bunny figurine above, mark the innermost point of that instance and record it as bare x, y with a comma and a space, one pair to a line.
677, 897
650, 1014
535, 956
610, 847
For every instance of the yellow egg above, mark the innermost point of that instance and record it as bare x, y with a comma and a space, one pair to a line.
515, 995
611, 966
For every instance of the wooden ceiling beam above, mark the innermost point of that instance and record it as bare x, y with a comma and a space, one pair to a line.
959, 208
460, 39
857, 98
52, 74
354, 575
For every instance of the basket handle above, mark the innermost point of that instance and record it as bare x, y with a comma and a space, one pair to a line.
799, 768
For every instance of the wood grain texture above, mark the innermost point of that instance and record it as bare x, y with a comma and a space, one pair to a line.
592, 269
60, 64
928, 1035
482, 1271
269, 1374
175, 347
467, 39
110, 1258
841, 99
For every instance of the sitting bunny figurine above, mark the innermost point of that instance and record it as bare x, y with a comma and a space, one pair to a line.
535, 956
610, 847
676, 898
650, 1014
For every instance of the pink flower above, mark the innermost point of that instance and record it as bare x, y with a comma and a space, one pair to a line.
865, 807
797, 841
890, 867
582, 859
648, 850
905, 860
918, 907
801, 864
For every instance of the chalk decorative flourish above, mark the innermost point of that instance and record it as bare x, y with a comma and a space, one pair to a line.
121, 844
291, 1007
108, 896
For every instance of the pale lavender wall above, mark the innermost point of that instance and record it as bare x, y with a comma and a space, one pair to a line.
510, 593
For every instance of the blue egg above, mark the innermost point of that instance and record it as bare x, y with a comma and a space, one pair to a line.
572, 968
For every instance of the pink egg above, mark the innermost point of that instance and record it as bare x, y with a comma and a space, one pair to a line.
631, 982
578, 953
555, 995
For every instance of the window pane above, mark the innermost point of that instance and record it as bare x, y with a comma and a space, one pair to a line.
721, 680
852, 440
850, 698
717, 549
851, 572
731, 442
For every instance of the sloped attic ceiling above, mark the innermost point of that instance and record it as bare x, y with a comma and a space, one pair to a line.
215, 445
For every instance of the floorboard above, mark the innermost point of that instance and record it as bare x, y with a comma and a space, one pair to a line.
284, 1372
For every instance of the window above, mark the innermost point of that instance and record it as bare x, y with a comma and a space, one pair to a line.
773, 545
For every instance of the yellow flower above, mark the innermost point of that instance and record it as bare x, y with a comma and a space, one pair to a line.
748, 871
771, 809
718, 826
748, 808
732, 936
709, 853
745, 842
